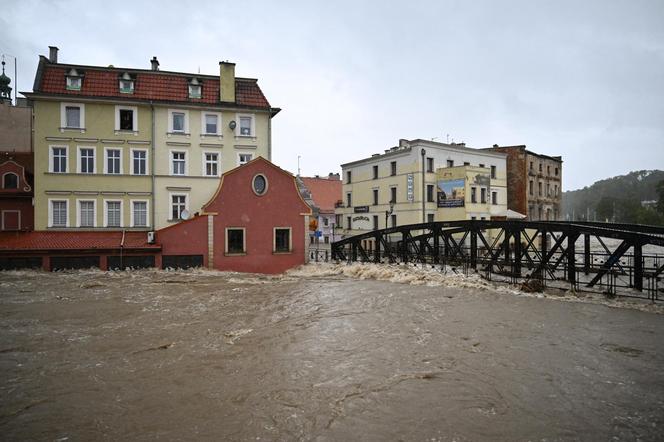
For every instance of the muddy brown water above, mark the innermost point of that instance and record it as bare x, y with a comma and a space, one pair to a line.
200, 355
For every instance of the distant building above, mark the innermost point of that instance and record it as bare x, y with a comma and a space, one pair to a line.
534, 182
325, 193
422, 181
134, 149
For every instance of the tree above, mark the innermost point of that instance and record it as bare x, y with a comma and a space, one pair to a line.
660, 193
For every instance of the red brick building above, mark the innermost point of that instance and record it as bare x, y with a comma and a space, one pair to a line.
16, 211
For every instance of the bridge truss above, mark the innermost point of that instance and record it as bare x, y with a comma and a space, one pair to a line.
618, 259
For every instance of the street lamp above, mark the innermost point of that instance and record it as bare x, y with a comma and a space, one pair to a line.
389, 212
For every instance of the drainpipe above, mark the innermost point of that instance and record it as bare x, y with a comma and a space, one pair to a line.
269, 135
152, 209
423, 152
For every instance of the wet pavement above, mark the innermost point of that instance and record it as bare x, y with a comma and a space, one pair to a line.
319, 355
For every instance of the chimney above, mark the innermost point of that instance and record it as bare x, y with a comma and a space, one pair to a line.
226, 82
334, 176
403, 143
154, 63
53, 54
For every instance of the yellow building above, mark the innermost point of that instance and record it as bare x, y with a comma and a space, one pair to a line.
422, 181
134, 148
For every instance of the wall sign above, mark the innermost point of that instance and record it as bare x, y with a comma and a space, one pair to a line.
410, 186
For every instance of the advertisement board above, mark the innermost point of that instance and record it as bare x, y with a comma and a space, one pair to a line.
451, 193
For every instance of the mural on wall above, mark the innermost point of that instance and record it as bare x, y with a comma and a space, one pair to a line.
451, 193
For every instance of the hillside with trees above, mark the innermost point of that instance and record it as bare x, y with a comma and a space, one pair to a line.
636, 198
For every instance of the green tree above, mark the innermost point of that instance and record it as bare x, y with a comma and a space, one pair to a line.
660, 193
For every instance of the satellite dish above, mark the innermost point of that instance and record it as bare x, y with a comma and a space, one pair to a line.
184, 214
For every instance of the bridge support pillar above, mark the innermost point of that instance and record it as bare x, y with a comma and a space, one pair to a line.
638, 266
571, 257
404, 247
517, 252
353, 251
377, 249
473, 249
436, 247
586, 253
508, 258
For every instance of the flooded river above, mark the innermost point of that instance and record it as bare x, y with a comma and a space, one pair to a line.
326, 353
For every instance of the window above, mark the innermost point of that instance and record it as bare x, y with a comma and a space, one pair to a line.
113, 161
113, 214
348, 177
548, 190
211, 163
211, 124
337, 220
244, 158
282, 243
375, 222
473, 194
481, 165
74, 83
394, 220
349, 200
259, 184
73, 117
349, 222
126, 118
178, 163
126, 84
494, 197
493, 172
429, 164
531, 165
555, 190
540, 167
246, 126
393, 168
178, 204
10, 181
59, 159
430, 217
139, 162
235, 242
539, 185
178, 121
375, 197
466, 163
530, 187
430, 193
375, 172
555, 171
473, 218
86, 160
548, 170
326, 222
326, 239
450, 163
194, 88
139, 213
483, 195
86, 213
393, 194
58, 213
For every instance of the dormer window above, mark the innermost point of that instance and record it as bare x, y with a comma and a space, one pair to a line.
126, 84
194, 88
74, 80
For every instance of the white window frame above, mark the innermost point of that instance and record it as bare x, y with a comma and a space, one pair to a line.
290, 239
170, 204
186, 121
238, 126
134, 124
204, 163
147, 162
170, 162
130, 89
106, 149
79, 169
69, 85
204, 125
239, 163
106, 201
63, 116
51, 162
51, 213
132, 221
78, 212
244, 240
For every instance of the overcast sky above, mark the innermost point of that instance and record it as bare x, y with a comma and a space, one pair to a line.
580, 79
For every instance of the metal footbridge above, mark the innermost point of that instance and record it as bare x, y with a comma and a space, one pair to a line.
617, 259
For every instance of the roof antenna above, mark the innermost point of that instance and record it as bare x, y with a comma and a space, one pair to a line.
298, 165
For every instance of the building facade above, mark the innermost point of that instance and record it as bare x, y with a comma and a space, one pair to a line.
138, 149
415, 181
534, 181
325, 193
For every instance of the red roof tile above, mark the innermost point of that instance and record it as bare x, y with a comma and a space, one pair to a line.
73, 240
324, 192
148, 85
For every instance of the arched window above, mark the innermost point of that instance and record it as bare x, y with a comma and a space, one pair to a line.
10, 181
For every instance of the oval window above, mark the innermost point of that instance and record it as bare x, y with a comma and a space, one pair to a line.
260, 184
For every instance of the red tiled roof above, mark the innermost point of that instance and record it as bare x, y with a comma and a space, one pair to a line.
73, 240
148, 85
324, 192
